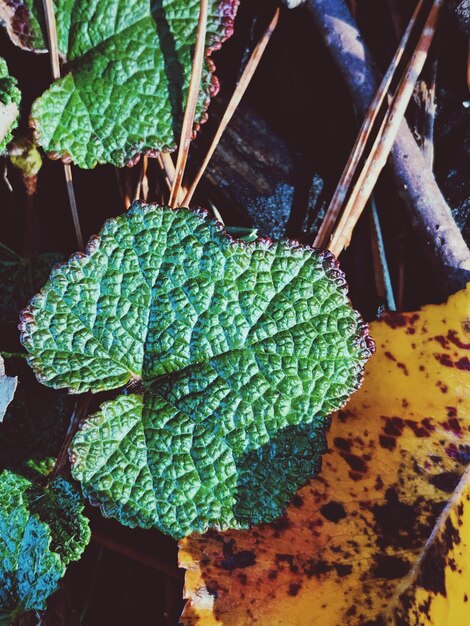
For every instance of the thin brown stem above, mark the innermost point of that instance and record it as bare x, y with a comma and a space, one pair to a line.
168, 168
55, 66
73, 205
468, 64
191, 103
141, 190
334, 208
427, 90
383, 143
52, 37
238, 94
428, 212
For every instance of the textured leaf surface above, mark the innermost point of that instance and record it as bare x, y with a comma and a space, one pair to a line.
129, 65
40, 533
236, 354
7, 389
10, 98
348, 542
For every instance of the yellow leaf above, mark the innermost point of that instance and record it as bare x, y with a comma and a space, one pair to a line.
438, 587
352, 546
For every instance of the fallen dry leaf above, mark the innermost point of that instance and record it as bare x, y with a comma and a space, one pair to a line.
367, 542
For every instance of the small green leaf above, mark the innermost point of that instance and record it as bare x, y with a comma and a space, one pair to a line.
235, 353
10, 98
128, 67
7, 389
41, 531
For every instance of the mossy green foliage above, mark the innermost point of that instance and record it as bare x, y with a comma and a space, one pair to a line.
41, 531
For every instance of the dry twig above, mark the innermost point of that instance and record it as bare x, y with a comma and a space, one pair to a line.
377, 157
429, 213
191, 102
55, 65
238, 94
324, 233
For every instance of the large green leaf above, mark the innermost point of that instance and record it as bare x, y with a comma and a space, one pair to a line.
234, 353
10, 98
127, 74
41, 531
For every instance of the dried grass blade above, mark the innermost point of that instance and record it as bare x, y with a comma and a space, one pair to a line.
55, 66
334, 208
190, 111
238, 94
383, 143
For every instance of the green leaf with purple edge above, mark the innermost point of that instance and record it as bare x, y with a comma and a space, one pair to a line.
127, 73
234, 353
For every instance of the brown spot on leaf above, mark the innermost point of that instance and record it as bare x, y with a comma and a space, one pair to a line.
442, 341
454, 338
389, 443
333, 511
294, 589
391, 567
447, 481
356, 463
342, 444
444, 359
463, 364
235, 560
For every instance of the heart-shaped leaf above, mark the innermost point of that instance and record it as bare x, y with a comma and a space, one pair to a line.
10, 98
41, 531
128, 70
235, 352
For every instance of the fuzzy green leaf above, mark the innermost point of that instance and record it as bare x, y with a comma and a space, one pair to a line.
128, 67
236, 353
10, 98
41, 531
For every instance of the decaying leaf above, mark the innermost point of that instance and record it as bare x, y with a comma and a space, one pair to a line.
7, 389
235, 354
128, 67
41, 531
345, 548
437, 590
10, 98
